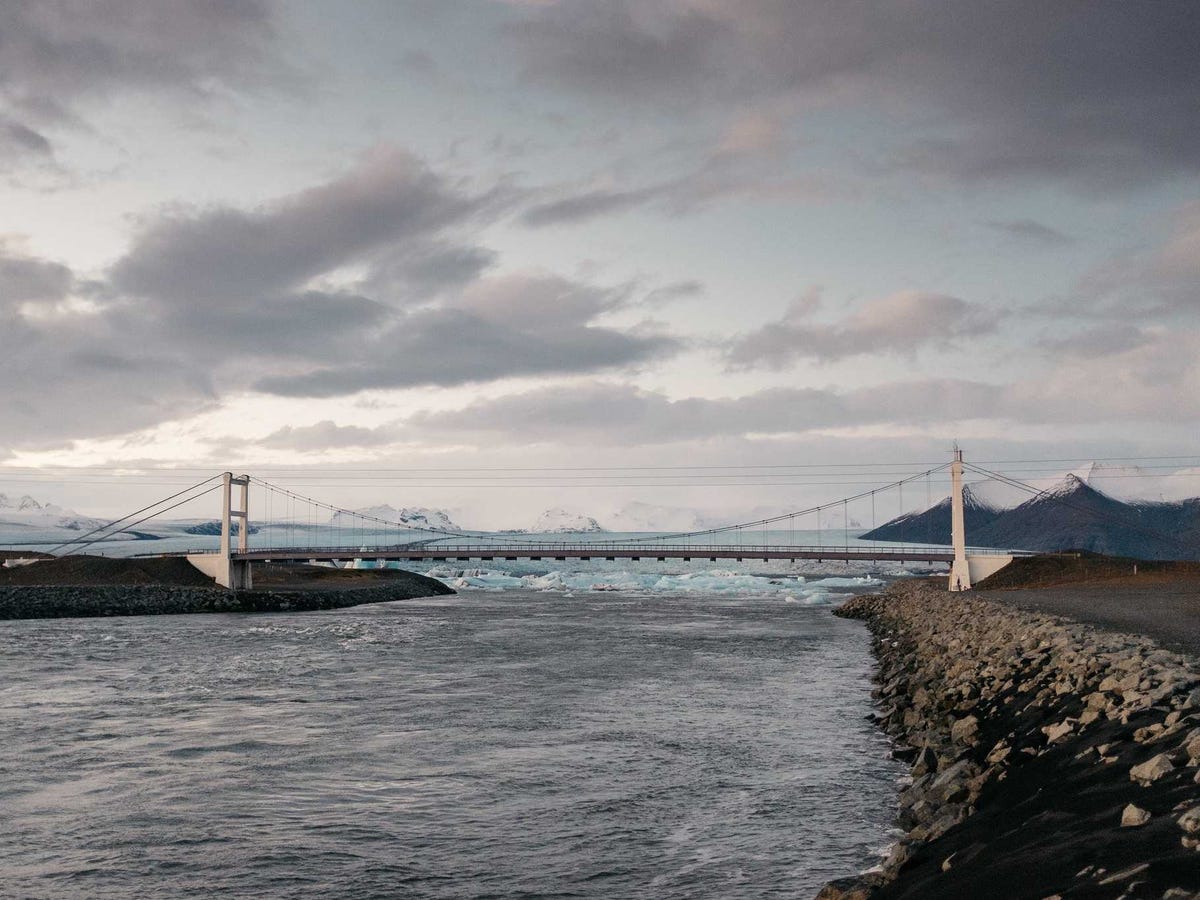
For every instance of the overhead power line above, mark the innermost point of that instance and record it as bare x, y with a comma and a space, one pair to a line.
840, 466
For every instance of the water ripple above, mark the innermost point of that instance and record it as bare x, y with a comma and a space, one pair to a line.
507, 746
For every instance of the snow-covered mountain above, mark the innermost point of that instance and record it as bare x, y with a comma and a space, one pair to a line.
559, 521
1133, 484
1069, 514
29, 513
932, 526
1129, 484
415, 516
638, 516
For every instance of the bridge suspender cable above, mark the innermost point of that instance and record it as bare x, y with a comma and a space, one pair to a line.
215, 487
443, 533
770, 520
363, 517
81, 540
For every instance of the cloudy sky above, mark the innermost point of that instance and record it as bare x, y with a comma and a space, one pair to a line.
315, 238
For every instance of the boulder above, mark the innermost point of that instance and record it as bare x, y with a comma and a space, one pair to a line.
964, 730
1058, 731
999, 753
925, 762
1190, 820
1192, 748
1134, 816
1151, 770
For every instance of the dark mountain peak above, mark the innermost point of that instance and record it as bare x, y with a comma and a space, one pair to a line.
1075, 491
972, 500
933, 525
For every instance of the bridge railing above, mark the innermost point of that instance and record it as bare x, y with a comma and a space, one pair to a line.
599, 549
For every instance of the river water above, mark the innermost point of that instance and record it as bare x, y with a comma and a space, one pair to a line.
508, 744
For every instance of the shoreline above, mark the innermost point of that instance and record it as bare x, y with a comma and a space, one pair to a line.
1048, 758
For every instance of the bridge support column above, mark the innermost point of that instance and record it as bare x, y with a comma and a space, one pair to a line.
226, 571
960, 570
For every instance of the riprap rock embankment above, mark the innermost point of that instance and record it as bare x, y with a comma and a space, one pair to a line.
1049, 759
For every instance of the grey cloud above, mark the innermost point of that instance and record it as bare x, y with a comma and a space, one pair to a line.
455, 346
1024, 88
1159, 281
898, 323
312, 324
586, 205
1156, 380
669, 293
1103, 340
236, 279
225, 255
17, 139
622, 49
1030, 232
723, 174
621, 414
54, 56
28, 279
223, 299
544, 302
82, 377
417, 62
327, 435
423, 270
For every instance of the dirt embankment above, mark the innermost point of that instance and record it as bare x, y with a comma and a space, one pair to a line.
1085, 568
1049, 759
1160, 600
85, 586
100, 570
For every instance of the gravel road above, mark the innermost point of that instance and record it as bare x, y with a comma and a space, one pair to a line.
1165, 609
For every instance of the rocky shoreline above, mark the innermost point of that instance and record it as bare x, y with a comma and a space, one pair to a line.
79, 601
1049, 758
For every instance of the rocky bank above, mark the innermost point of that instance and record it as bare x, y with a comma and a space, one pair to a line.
1049, 758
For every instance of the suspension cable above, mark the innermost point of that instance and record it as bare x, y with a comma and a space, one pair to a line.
361, 517
772, 519
215, 487
136, 513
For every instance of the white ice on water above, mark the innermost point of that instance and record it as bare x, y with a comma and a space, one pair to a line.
720, 582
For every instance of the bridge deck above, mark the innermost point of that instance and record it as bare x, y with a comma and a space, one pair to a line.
599, 552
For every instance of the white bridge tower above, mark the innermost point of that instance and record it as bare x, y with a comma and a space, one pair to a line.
221, 566
966, 568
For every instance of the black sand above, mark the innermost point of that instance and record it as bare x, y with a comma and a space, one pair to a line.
88, 586
100, 570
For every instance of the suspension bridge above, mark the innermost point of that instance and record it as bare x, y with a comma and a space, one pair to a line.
298, 528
